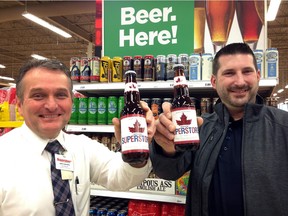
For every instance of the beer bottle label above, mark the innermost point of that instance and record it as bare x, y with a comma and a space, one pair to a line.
134, 136
131, 86
180, 81
186, 125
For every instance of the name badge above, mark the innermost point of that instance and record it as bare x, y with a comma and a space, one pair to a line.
64, 162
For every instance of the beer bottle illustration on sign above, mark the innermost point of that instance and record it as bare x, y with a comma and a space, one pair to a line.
134, 135
184, 114
199, 26
219, 15
249, 21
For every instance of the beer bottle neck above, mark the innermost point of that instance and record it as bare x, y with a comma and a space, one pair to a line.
132, 97
181, 91
180, 86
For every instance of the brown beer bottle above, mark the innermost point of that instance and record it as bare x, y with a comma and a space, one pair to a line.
183, 113
134, 136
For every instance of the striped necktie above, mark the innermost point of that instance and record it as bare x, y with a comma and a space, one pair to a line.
62, 195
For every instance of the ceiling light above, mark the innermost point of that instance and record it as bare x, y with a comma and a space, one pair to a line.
6, 78
286, 86
272, 10
280, 90
46, 24
39, 57
2, 66
274, 94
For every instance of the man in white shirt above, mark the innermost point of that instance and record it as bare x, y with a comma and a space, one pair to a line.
44, 94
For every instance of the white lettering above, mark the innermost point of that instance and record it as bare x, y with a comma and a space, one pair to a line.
129, 37
156, 15
127, 16
141, 39
164, 37
141, 16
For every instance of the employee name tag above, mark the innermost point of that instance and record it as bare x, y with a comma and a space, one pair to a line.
64, 162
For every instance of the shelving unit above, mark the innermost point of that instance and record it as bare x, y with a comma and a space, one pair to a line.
140, 196
90, 128
156, 88
10, 124
148, 89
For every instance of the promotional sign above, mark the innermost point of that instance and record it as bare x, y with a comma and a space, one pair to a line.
148, 27
180, 26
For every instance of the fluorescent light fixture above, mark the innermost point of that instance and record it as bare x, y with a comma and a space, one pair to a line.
2, 66
280, 90
39, 57
272, 10
46, 24
6, 78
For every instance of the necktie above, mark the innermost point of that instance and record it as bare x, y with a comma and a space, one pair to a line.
62, 195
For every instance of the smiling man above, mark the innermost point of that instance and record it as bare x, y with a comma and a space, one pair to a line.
29, 181
241, 167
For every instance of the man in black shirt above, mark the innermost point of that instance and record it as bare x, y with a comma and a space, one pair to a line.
241, 166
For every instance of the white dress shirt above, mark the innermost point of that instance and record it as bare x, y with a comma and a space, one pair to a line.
25, 176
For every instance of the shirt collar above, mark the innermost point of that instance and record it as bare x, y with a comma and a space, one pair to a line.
38, 144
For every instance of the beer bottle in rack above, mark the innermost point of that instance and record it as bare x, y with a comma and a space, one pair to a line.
134, 136
183, 113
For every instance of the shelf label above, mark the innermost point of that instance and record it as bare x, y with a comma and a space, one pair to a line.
153, 185
82, 87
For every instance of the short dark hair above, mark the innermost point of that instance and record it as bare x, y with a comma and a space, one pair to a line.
231, 49
50, 64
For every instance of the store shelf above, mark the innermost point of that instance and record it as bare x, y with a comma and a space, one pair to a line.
140, 196
156, 88
155, 85
90, 128
10, 124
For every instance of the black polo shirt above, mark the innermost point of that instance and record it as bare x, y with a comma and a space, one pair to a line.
225, 193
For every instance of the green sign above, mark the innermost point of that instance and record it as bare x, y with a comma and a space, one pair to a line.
148, 27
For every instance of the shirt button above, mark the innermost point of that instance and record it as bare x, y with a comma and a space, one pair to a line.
228, 138
225, 148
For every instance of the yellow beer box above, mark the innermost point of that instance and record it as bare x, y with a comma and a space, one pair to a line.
105, 69
117, 69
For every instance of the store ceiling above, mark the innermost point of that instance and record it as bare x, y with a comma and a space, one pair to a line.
19, 38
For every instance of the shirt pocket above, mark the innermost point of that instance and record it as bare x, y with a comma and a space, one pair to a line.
81, 197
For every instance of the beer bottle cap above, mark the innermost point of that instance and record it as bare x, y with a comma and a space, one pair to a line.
178, 65
130, 71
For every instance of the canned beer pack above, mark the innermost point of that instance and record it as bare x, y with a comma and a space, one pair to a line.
138, 67
195, 67
260, 61
271, 63
95, 69
184, 59
206, 62
75, 69
105, 69
171, 60
148, 73
117, 69
85, 69
127, 64
160, 68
